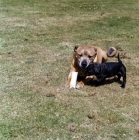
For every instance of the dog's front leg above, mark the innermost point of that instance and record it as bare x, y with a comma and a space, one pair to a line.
84, 81
80, 84
100, 80
68, 80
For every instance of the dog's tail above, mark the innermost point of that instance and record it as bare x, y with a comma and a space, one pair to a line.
119, 60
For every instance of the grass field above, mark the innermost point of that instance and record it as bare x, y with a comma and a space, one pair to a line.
37, 38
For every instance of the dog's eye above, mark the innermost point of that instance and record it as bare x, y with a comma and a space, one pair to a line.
80, 55
89, 56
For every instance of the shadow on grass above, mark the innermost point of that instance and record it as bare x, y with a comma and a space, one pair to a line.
106, 82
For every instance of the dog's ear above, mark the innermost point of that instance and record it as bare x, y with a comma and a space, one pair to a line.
75, 48
95, 49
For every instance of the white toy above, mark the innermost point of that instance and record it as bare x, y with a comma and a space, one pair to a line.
73, 79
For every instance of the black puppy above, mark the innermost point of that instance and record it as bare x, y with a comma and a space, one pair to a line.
106, 70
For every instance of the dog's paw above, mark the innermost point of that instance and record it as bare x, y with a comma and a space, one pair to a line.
122, 86
80, 85
67, 85
111, 51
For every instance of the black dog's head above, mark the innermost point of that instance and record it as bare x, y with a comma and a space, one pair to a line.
90, 70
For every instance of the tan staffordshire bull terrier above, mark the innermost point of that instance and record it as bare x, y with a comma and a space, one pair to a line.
82, 57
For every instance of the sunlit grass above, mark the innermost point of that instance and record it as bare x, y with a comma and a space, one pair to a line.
36, 45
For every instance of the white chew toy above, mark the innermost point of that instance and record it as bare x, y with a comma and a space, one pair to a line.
73, 79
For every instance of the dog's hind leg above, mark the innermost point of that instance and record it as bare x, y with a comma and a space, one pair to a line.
124, 81
119, 77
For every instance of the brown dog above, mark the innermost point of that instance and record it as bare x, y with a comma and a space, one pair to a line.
82, 57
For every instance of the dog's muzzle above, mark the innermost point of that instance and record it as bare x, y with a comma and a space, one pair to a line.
84, 64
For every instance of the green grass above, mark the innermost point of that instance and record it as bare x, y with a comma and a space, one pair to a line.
37, 38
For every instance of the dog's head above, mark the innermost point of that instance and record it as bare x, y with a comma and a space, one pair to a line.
90, 70
85, 55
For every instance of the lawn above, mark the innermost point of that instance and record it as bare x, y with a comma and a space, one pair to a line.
37, 38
